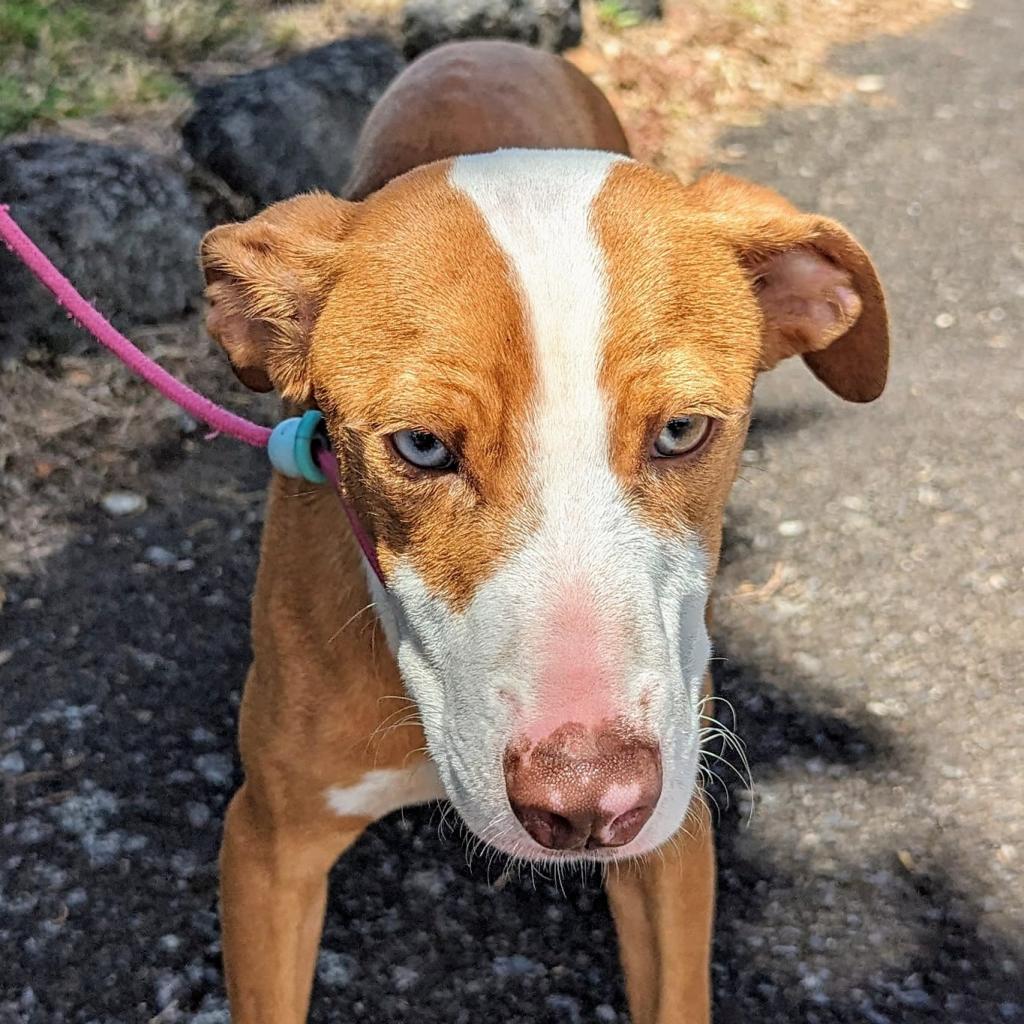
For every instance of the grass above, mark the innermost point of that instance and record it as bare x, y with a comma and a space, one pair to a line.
31, 31
64, 59
25, 23
616, 15
717, 62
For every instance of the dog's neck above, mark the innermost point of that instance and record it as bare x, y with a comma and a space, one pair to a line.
312, 611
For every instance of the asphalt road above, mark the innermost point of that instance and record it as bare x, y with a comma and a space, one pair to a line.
870, 629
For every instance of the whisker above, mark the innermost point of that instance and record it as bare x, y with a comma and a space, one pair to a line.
334, 636
728, 764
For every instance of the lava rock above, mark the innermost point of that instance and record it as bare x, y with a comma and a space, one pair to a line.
549, 24
272, 133
119, 223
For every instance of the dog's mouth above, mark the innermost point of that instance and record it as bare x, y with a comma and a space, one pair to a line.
523, 848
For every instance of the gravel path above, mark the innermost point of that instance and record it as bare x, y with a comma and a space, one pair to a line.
869, 626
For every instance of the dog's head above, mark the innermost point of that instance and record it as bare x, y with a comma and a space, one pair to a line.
536, 370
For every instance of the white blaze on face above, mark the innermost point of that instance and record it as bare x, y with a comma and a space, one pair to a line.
596, 616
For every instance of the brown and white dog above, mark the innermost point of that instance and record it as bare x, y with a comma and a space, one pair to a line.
535, 359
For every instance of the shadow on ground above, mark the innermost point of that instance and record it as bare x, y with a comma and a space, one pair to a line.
120, 695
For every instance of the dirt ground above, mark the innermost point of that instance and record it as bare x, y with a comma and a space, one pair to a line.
868, 628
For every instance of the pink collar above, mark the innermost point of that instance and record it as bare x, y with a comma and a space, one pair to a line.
221, 420
329, 467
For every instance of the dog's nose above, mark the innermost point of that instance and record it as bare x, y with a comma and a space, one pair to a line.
583, 788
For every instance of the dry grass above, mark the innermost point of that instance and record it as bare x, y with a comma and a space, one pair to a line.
714, 64
708, 64
83, 425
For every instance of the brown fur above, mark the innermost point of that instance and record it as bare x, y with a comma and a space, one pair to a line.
682, 337
437, 342
399, 311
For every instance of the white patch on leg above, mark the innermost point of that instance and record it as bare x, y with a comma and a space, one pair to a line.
382, 791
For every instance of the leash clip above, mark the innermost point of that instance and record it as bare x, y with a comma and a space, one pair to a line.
293, 443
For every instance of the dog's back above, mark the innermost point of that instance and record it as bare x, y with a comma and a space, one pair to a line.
478, 97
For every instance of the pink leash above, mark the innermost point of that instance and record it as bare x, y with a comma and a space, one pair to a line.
196, 405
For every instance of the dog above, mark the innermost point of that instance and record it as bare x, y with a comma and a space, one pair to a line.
535, 360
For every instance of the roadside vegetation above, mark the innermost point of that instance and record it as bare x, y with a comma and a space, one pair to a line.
676, 81
62, 59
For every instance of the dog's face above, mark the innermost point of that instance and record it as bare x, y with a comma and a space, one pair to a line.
536, 370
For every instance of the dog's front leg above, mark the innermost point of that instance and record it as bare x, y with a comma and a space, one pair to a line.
273, 894
663, 908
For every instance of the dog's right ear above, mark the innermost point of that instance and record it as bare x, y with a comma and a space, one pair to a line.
266, 281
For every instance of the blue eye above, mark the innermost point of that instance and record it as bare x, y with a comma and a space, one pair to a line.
422, 449
682, 435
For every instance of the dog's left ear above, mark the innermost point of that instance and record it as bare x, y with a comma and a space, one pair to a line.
818, 291
266, 281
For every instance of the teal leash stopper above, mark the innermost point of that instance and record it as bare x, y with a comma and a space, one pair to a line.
291, 446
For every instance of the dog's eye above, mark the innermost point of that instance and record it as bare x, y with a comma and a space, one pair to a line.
422, 449
682, 436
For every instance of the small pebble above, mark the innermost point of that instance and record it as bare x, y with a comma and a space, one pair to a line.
122, 503
791, 528
334, 970
12, 763
870, 83
215, 768
404, 978
198, 814
944, 320
76, 898
432, 882
212, 1017
915, 997
516, 966
159, 556
874, 1017
167, 987
565, 1008
807, 663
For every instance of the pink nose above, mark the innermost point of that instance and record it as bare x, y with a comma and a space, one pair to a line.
583, 788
